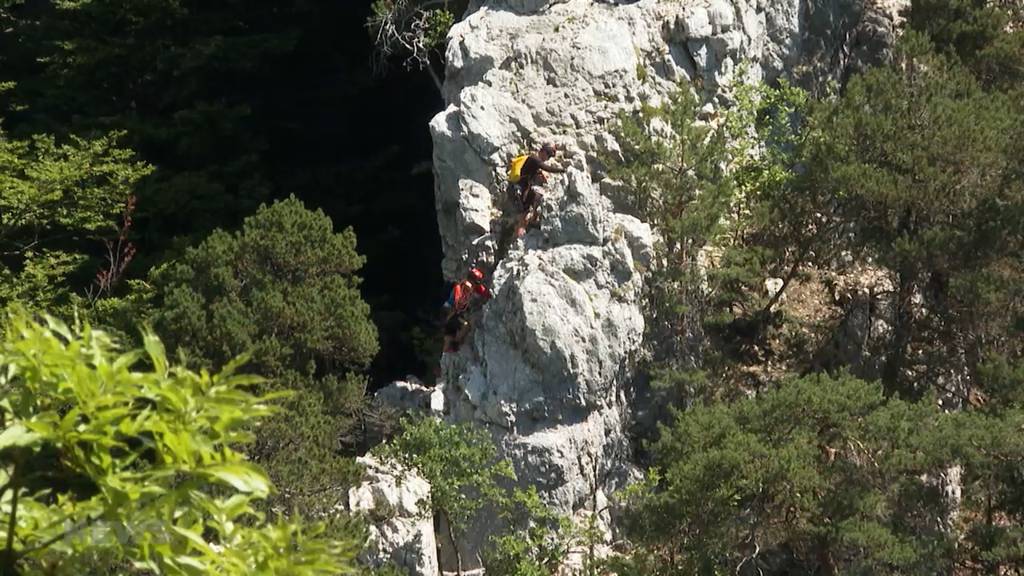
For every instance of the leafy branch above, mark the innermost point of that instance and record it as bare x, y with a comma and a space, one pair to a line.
414, 29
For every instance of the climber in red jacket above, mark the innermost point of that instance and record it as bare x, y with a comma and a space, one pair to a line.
464, 296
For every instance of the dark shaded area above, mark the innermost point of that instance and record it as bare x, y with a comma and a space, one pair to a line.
374, 140
239, 103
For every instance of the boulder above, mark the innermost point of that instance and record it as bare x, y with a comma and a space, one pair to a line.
411, 397
396, 503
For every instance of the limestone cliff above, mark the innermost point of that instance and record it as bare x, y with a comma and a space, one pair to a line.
396, 502
549, 366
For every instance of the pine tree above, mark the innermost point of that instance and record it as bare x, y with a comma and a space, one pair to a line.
830, 476
986, 35
284, 289
58, 202
819, 476
918, 159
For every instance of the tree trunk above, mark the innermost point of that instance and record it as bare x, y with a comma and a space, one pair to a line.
903, 318
826, 563
9, 558
455, 545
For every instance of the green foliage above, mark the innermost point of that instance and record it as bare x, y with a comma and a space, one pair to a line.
778, 217
776, 223
175, 76
828, 472
914, 169
829, 476
985, 35
284, 289
919, 160
915, 172
1004, 383
458, 460
675, 171
104, 464
673, 167
918, 153
466, 479
415, 30
236, 104
993, 505
437, 25
120, 313
732, 209
307, 447
538, 543
56, 200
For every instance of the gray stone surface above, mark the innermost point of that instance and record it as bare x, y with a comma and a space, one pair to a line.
412, 397
396, 502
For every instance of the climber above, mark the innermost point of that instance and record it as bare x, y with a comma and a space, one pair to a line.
464, 296
525, 173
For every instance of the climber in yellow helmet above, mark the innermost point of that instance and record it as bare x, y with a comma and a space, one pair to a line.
526, 172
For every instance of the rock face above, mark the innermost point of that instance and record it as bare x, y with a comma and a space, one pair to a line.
520, 72
549, 365
396, 503
411, 397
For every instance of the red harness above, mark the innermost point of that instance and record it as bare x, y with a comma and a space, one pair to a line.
462, 294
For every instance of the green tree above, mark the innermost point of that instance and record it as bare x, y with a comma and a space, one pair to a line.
176, 77
819, 476
914, 171
285, 286
539, 541
674, 171
777, 219
237, 104
285, 289
992, 512
57, 202
732, 208
461, 464
467, 479
986, 35
830, 476
118, 460
918, 158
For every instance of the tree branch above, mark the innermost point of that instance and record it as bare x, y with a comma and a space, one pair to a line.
785, 283
437, 80
89, 521
12, 522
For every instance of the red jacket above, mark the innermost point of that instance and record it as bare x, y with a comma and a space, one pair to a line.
462, 294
